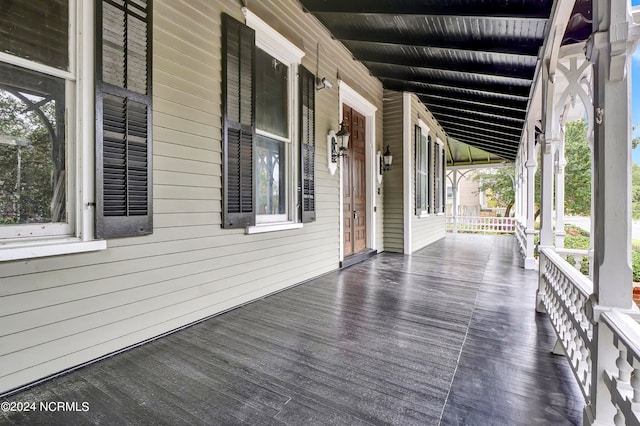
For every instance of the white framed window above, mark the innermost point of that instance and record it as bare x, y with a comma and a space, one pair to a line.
46, 154
423, 169
439, 178
276, 84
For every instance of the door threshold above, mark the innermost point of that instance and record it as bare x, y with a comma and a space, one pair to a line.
358, 257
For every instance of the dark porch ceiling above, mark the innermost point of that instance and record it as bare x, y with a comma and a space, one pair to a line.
471, 62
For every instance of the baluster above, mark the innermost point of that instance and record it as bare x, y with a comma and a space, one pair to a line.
586, 378
624, 369
579, 307
578, 261
618, 419
572, 346
635, 384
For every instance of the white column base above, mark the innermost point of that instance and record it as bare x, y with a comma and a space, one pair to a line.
530, 263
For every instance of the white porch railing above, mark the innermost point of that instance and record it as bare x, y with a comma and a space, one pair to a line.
482, 225
521, 236
570, 305
622, 378
566, 299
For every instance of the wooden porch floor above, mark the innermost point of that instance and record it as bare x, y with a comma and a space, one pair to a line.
446, 336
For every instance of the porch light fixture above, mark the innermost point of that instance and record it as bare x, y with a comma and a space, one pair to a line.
340, 143
323, 83
385, 160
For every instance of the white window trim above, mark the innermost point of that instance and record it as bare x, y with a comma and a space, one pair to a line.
80, 145
271, 227
276, 45
425, 130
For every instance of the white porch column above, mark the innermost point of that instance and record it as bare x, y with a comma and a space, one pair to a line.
531, 166
560, 164
454, 206
610, 49
549, 144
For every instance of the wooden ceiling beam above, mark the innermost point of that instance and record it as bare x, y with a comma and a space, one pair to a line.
516, 107
453, 91
507, 46
455, 124
495, 68
501, 115
490, 9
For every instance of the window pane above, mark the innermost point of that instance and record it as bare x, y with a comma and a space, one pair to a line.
32, 151
37, 30
270, 185
271, 95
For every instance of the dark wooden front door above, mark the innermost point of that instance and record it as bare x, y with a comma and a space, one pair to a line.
354, 184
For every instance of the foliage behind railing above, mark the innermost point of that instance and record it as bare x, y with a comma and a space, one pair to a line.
579, 259
483, 225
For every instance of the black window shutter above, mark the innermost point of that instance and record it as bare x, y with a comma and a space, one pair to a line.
419, 160
123, 119
307, 145
443, 204
238, 127
430, 178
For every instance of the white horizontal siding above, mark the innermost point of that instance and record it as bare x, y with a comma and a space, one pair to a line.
59, 312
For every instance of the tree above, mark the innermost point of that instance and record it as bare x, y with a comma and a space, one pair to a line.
498, 184
635, 190
577, 172
26, 192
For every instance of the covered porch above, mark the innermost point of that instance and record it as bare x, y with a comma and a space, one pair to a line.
444, 336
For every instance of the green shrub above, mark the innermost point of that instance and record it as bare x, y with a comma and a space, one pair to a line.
635, 263
578, 242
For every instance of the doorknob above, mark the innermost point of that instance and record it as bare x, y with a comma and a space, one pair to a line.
355, 215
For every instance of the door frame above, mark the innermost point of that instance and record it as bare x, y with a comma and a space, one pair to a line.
358, 102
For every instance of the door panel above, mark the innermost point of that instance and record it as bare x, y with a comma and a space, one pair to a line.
354, 184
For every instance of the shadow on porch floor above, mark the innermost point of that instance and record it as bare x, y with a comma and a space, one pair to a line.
445, 336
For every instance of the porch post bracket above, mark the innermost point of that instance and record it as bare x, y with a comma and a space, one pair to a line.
622, 39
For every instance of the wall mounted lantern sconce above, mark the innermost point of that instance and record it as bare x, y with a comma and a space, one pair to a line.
340, 143
385, 160
337, 146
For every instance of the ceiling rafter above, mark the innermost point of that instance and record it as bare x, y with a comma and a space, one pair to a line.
468, 66
429, 98
489, 9
470, 62
453, 124
501, 114
427, 88
509, 128
485, 135
489, 46
482, 139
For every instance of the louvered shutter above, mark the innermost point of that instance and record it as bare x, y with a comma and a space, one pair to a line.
443, 179
307, 145
418, 168
123, 118
430, 177
238, 139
